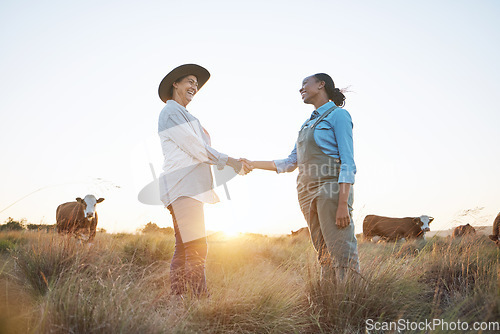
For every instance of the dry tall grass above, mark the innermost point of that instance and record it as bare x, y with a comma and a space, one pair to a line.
120, 284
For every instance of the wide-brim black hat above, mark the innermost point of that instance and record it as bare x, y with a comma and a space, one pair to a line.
201, 73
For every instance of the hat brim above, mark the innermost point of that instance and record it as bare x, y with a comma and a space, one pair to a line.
201, 73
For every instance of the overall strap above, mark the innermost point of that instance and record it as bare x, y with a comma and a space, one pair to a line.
322, 117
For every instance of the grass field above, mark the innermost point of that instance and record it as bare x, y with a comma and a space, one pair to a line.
258, 284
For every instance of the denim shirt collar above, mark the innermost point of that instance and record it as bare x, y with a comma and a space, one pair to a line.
321, 110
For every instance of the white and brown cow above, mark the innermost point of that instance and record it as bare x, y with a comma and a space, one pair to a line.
78, 218
496, 231
396, 228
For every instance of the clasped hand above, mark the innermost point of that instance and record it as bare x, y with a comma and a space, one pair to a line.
247, 166
241, 166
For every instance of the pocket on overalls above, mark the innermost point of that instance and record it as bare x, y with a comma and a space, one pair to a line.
328, 171
329, 190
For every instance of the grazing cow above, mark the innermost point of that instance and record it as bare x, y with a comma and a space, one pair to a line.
396, 228
462, 230
78, 218
304, 231
496, 231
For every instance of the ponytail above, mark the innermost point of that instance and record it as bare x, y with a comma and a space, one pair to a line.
333, 93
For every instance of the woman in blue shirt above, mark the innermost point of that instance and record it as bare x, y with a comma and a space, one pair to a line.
324, 155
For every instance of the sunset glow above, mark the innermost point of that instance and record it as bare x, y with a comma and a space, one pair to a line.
80, 104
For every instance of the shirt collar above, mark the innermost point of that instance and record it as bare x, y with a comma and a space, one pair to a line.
321, 110
176, 105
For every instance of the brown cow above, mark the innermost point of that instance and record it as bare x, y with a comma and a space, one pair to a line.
304, 231
496, 231
396, 228
462, 230
78, 218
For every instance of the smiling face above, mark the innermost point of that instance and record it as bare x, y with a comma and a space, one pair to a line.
185, 89
313, 91
310, 89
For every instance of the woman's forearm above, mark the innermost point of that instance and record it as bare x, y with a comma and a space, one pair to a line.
266, 165
344, 193
343, 219
232, 162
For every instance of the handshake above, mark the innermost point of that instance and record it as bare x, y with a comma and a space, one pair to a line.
241, 166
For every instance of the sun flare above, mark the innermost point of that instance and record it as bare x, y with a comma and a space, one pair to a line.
231, 233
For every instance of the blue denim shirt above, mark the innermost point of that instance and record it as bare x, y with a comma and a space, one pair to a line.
334, 137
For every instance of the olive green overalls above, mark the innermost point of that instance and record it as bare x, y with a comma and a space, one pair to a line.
318, 192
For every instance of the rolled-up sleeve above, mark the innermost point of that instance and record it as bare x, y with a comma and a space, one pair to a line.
183, 135
342, 123
287, 165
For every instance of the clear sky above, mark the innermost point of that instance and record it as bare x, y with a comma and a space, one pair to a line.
79, 104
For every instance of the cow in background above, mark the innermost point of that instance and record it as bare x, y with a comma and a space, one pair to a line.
396, 228
78, 218
462, 230
496, 231
304, 231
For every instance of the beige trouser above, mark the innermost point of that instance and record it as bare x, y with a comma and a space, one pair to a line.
337, 247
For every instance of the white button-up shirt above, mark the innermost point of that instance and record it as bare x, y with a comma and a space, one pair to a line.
188, 156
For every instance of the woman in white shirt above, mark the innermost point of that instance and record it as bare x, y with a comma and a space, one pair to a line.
186, 182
